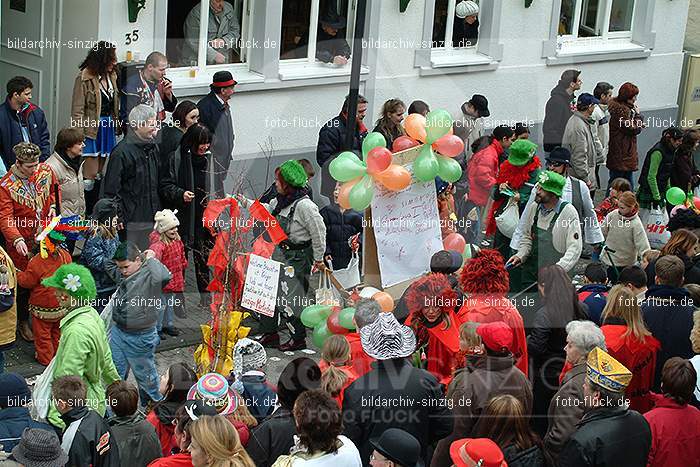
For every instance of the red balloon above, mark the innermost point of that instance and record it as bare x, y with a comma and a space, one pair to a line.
449, 145
333, 323
454, 242
378, 160
696, 202
402, 143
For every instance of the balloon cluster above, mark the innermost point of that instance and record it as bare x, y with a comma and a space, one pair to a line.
359, 176
678, 198
326, 320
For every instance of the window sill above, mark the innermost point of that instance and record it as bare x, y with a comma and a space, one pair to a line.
187, 85
458, 61
289, 71
598, 50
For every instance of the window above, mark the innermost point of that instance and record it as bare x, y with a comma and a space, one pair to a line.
595, 18
210, 32
458, 33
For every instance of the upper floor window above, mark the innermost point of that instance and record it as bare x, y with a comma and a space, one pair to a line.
596, 19
455, 24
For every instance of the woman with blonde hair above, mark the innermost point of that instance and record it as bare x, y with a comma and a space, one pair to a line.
630, 342
215, 443
625, 236
695, 342
336, 367
389, 124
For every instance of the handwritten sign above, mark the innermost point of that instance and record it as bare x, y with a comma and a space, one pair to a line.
407, 230
260, 289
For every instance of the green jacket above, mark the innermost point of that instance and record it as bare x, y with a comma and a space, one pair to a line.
84, 351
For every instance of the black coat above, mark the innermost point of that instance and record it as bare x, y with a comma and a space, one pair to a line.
168, 140
93, 443
339, 228
272, 438
420, 407
136, 438
327, 47
331, 142
132, 179
557, 112
10, 133
532, 457
212, 114
609, 437
668, 314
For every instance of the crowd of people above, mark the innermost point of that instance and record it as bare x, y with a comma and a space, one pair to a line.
495, 357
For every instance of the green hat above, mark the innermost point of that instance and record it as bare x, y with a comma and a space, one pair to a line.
552, 182
521, 152
75, 279
293, 173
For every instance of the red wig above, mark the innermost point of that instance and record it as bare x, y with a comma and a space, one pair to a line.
485, 274
627, 91
427, 289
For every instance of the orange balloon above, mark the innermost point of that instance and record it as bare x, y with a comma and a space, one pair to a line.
394, 178
415, 127
344, 193
385, 301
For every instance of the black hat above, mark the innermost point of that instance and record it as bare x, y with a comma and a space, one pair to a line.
445, 262
223, 79
559, 154
481, 104
198, 408
39, 448
398, 446
104, 210
332, 19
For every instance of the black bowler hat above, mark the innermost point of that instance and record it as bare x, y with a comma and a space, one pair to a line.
559, 154
223, 79
481, 104
398, 446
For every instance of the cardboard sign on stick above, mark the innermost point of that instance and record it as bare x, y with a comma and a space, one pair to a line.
260, 289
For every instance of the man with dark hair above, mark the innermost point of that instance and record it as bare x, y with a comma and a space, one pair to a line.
88, 440
331, 45
21, 121
331, 141
150, 87
609, 432
579, 138
668, 313
675, 425
601, 123
559, 108
136, 438
635, 279
215, 114
594, 291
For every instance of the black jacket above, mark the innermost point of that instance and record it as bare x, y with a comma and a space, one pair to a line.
132, 180
327, 47
532, 457
331, 142
464, 34
339, 228
91, 441
212, 114
663, 173
10, 133
168, 140
610, 437
272, 438
556, 114
690, 276
137, 440
395, 394
668, 314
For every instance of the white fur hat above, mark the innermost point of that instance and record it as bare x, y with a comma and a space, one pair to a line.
166, 220
466, 8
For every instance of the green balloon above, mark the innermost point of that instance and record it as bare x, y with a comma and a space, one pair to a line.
345, 318
426, 167
314, 314
371, 141
321, 333
347, 166
449, 169
437, 124
675, 196
362, 193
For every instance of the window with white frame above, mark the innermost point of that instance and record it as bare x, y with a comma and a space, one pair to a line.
604, 19
455, 24
208, 32
317, 30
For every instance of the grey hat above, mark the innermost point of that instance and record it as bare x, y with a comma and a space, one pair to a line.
39, 448
386, 338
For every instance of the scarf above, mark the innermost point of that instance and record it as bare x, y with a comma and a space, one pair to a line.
73, 162
361, 128
286, 200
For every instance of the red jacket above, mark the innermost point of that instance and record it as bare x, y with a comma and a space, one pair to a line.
241, 428
40, 268
443, 348
490, 308
675, 434
637, 356
482, 170
173, 257
165, 432
348, 372
184, 459
361, 362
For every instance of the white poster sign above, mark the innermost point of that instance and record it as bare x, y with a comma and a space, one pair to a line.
261, 281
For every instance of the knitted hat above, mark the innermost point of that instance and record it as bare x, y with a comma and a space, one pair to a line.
27, 152
466, 8
165, 220
479, 451
552, 182
293, 173
603, 370
213, 390
248, 355
386, 338
445, 262
39, 448
75, 279
521, 152
485, 274
14, 391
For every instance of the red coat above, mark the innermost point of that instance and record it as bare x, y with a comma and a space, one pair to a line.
482, 170
23, 216
173, 257
351, 377
443, 348
165, 432
40, 268
361, 362
639, 357
675, 434
184, 459
484, 308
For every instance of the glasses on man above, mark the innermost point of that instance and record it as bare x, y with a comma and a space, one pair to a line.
554, 164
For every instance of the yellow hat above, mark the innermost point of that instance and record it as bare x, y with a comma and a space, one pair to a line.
607, 372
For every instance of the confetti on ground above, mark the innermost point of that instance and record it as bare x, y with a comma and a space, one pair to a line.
275, 359
308, 351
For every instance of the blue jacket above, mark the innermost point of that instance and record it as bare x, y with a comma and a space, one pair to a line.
259, 396
594, 296
13, 421
97, 256
339, 228
11, 133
